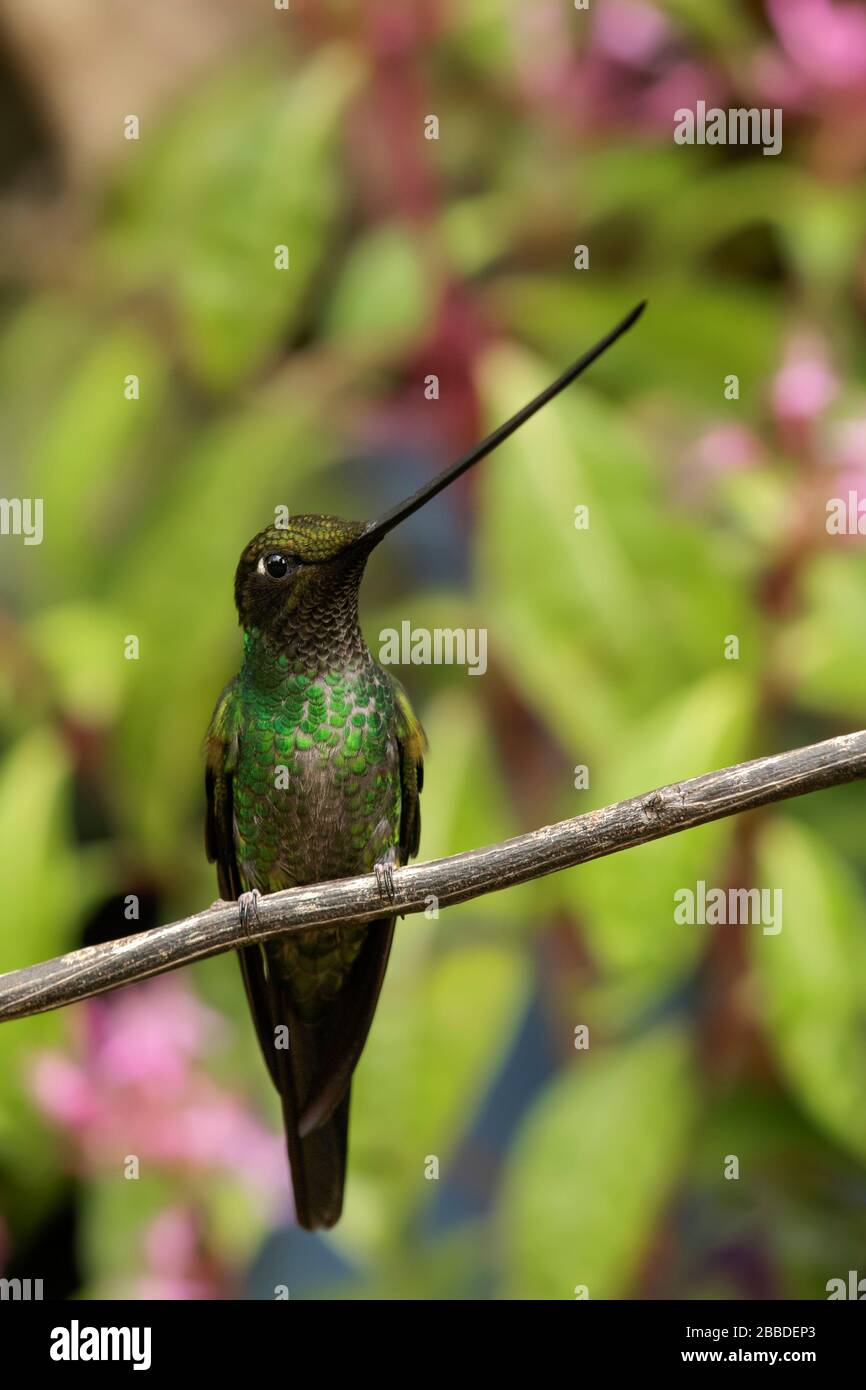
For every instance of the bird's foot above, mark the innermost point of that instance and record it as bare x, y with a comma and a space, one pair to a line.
248, 908
220, 902
385, 880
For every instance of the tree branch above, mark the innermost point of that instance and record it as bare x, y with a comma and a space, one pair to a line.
730, 791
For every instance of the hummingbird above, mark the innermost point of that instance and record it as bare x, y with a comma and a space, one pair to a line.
314, 770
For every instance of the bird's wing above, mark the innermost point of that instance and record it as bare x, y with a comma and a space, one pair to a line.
222, 744
221, 755
412, 743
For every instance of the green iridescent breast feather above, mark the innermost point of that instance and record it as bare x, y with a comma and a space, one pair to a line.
317, 789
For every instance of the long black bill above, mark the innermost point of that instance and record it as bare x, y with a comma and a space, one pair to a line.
377, 529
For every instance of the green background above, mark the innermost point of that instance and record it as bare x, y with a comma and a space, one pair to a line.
305, 387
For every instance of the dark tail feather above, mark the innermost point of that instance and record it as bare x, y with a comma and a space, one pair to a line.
318, 1165
318, 1160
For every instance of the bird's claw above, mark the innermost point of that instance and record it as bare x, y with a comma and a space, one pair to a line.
385, 881
248, 908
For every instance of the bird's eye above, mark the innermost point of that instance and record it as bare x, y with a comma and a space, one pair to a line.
276, 565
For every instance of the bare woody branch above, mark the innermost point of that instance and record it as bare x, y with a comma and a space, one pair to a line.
667, 811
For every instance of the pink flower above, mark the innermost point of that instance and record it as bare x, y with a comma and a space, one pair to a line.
63, 1092
825, 40
728, 448
724, 448
630, 32
178, 1266
172, 1241
148, 1036
777, 82
137, 1086
682, 83
630, 72
159, 1289
805, 384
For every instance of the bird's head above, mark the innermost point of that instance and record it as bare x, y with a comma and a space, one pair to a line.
304, 577
286, 572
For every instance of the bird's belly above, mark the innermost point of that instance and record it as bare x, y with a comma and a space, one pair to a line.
308, 814
313, 824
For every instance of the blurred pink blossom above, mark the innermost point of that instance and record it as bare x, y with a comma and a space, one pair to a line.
630, 32
846, 455
826, 40
177, 1266
805, 384
848, 446
149, 1036
63, 1091
138, 1086
851, 484
777, 82
719, 450
171, 1242
682, 82
728, 448
624, 69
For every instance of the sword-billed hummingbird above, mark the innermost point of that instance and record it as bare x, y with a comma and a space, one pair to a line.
314, 771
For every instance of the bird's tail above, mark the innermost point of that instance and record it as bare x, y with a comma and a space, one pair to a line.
311, 1061
295, 1051
317, 1159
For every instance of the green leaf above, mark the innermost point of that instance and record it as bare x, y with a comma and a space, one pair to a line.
598, 1158
812, 978
45, 896
625, 903
442, 1025
114, 1216
476, 231
482, 33
595, 624
620, 180
174, 592
821, 654
384, 297
35, 858
82, 449
712, 22
40, 340
78, 645
465, 805
723, 201
687, 311
247, 165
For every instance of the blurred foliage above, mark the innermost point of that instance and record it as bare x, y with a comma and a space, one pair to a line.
304, 387
626, 1121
